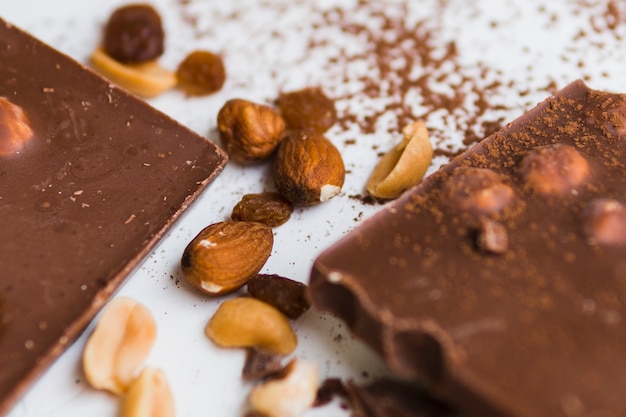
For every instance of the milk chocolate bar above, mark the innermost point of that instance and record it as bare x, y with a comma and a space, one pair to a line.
500, 280
90, 179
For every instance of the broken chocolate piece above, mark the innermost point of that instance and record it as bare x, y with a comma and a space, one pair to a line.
537, 331
260, 364
102, 178
386, 397
285, 294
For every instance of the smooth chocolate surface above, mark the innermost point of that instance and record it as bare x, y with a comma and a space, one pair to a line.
500, 280
96, 183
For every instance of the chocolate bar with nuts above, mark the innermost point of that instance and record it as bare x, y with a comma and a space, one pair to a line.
500, 280
90, 179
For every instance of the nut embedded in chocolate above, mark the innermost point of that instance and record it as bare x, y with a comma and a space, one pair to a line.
477, 190
554, 169
605, 222
15, 128
492, 237
134, 34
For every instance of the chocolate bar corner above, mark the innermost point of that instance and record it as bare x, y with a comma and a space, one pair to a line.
499, 281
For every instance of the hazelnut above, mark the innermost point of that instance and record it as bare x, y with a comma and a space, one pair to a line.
250, 132
554, 169
134, 34
492, 237
308, 168
15, 128
307, 109
478, 190
269, 208
223, 256
604, 222
201, 73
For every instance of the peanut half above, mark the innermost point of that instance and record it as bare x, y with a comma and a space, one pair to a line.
149, 396
404, 165
290, 396
119, 345
147, 79
248, 322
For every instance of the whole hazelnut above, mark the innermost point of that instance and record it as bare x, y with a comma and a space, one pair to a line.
249, 131
554, 169
478, 190
308, 168
604, 222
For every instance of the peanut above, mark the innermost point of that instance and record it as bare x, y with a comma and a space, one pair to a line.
149, 396
404, 165
118, 346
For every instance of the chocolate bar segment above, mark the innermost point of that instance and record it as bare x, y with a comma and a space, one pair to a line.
500, 280
90, 180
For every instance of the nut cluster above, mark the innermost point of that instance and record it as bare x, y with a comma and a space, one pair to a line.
133, 40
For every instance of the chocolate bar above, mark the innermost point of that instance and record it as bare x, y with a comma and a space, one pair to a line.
499, 282
90, 179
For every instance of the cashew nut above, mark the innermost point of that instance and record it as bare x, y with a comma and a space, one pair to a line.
248, 322
147, 79
290, 396
404, 165
118, 346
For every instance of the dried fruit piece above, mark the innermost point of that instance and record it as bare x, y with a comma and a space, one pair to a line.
134, 34
147, 79
268, 208
201, 73
308, 168
149, 396
15, 128
308, 109
287, 295
289, 396
224, 255
119, 344
260, 364
250, 131
404, 165
248, 322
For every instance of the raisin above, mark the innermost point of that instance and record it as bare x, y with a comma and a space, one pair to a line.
269, 208
286, 295
201, 73
308, 109
134, 34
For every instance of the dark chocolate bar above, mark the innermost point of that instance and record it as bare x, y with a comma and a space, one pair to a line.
500, 280
90, 180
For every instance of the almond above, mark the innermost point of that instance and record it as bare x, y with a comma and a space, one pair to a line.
308, 168
223, 256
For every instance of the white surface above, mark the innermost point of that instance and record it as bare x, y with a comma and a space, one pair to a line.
265, 51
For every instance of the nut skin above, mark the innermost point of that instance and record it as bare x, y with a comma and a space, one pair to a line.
224, 255
134, 34
308, 168
201, 73
269, 208
246, 322
478, 191
15, 128
307, 109
250, 132
554, 169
